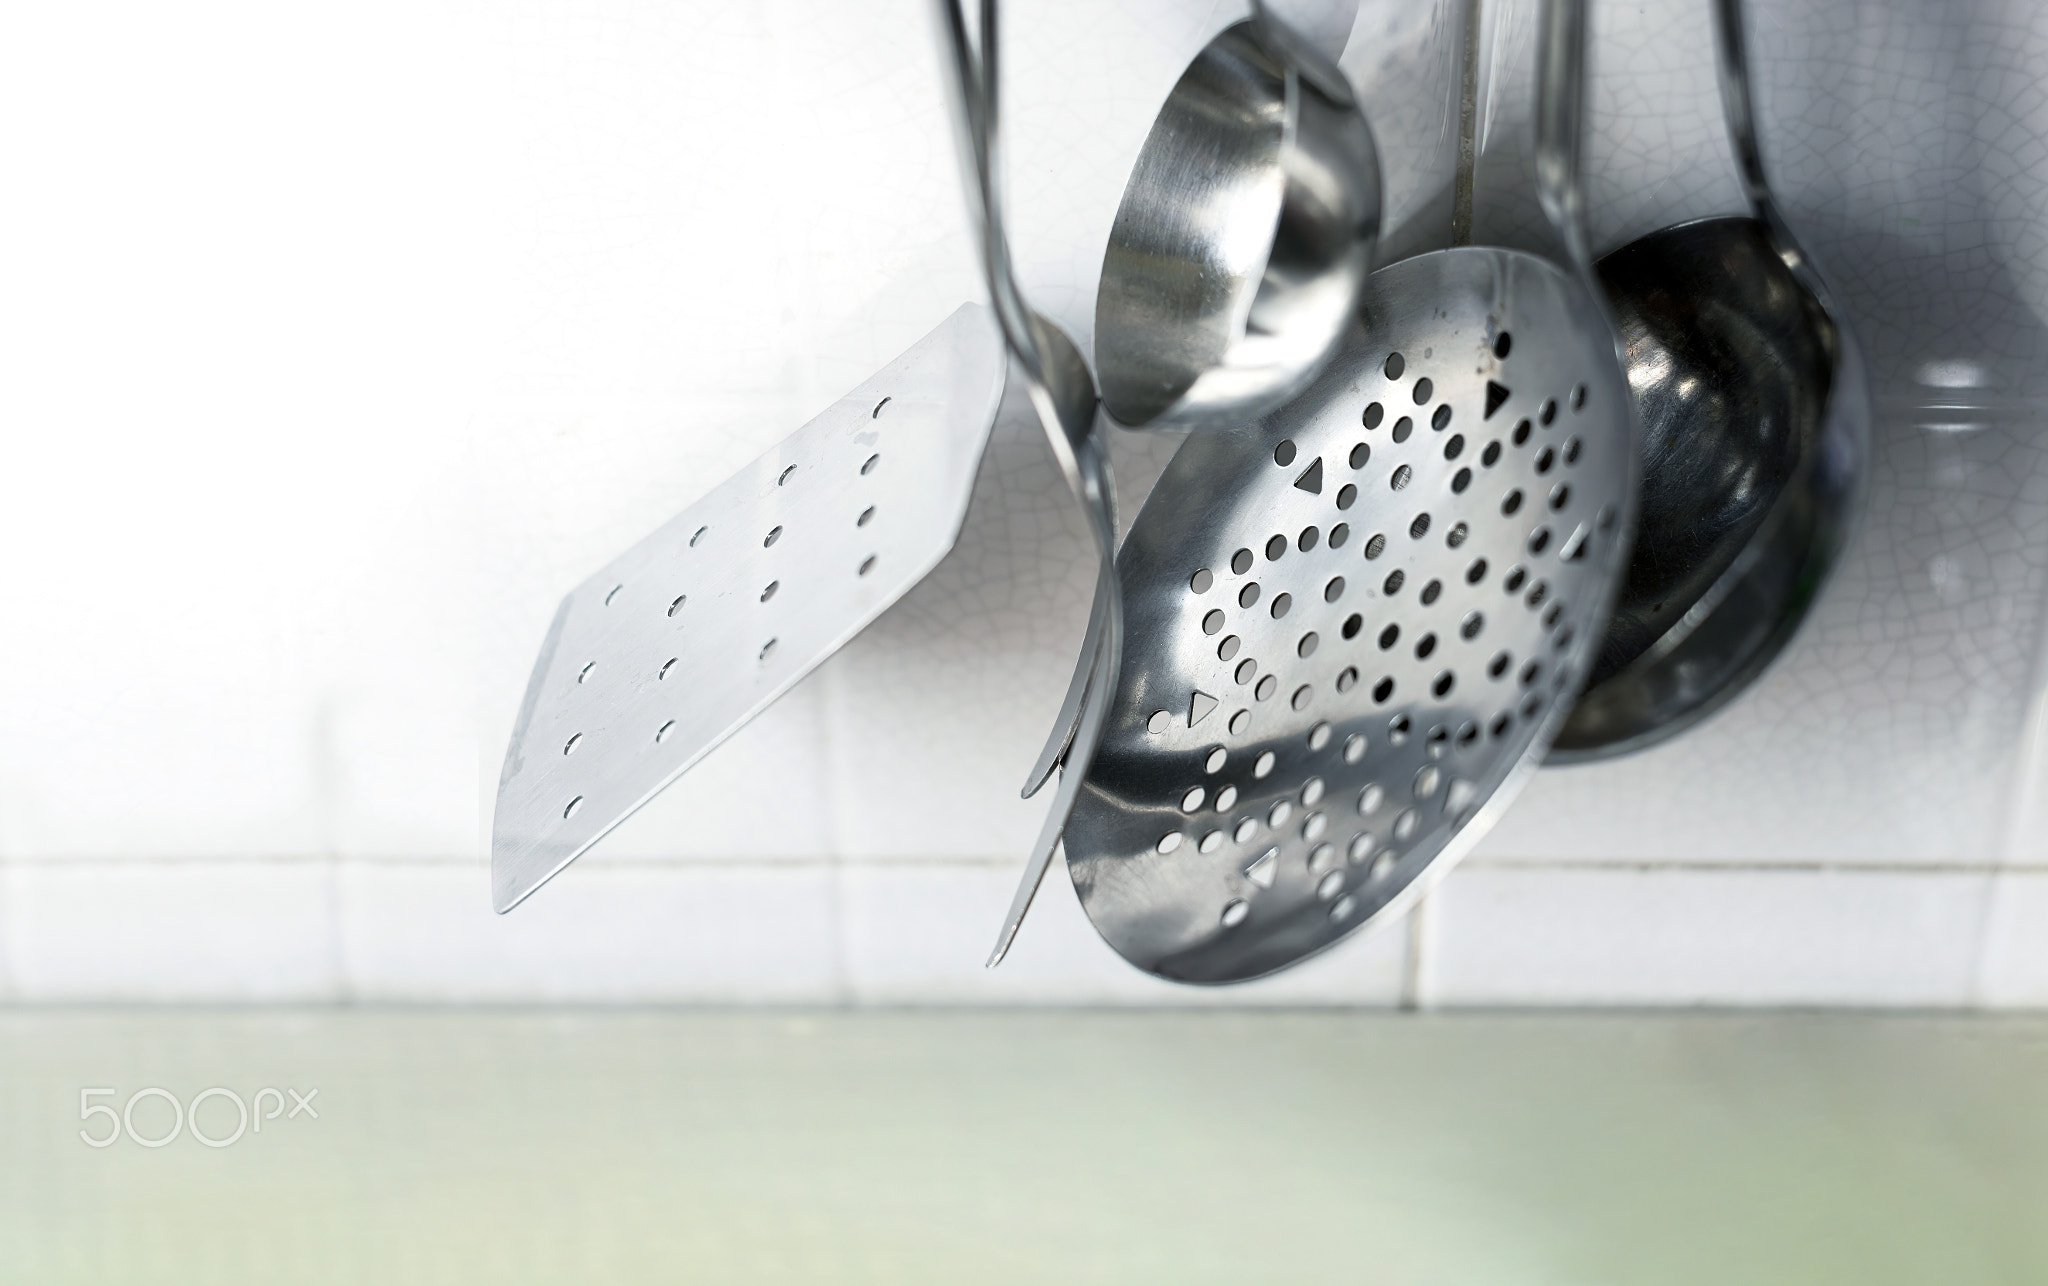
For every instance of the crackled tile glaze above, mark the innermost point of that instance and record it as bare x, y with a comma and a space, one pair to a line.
1890, 730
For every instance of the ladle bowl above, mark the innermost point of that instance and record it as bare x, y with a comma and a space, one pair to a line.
1754, 408
1749, 396
1244, 237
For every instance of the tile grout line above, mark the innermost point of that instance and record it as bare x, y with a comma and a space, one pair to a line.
835, 824
344, 980
1414, 991
2024, 800
327, 773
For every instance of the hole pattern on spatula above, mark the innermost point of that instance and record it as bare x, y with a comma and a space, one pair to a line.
669, 593
1399, 645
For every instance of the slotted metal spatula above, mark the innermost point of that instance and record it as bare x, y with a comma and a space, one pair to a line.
680, 641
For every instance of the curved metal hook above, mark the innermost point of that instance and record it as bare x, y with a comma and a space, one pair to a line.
1063, 394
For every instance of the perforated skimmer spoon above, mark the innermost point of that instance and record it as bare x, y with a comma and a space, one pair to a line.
1240, 247
1355, 625
1755, 409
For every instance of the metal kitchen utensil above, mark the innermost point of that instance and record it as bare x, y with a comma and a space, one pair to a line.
1063, 394
1240, 246
1355, 625
1755, 409
680, 641
1243, 238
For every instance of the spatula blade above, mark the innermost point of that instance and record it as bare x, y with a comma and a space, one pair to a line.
680, 641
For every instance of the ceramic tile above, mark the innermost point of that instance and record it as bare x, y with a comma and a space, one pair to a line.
1643, 936
1911, 141
402, 773
917, 933
621, 934
1403, 59
2026, 836
176, 773
186, 931
1655, 151
1889, 730
223, 392
2013, 971
935, 713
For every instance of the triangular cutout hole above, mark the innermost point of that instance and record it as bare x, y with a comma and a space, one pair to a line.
1495, 395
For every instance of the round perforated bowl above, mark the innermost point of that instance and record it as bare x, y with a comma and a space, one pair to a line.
1354, 625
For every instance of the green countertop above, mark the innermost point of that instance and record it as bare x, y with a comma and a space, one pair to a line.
980, 1147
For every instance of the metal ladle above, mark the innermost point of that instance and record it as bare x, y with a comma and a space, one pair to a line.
1243, 238
1755, 411
1240, 249
1356, 623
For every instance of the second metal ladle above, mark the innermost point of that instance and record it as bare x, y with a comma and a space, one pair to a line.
1243, 238
1755, 411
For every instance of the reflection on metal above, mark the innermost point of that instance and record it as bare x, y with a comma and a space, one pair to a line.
1755, 411
1392, 654
1243, 238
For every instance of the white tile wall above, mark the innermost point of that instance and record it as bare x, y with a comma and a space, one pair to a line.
308, 451
667, 933
1505, 935
917, 933
151, 931
691, 932
2013, 970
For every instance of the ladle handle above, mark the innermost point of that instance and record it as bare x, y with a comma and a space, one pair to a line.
1063, 395
1732, 44
1560, 112
971, 80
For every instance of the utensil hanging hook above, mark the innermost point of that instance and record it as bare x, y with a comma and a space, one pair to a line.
1062, 392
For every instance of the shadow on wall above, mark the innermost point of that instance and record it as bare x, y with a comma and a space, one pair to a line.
1907, 139
1938, 322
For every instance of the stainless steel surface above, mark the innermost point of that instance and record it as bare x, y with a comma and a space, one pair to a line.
1239, 250
1063, 394
1069, 721
1243, 238
1355, 624
1755, 410
677, 643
